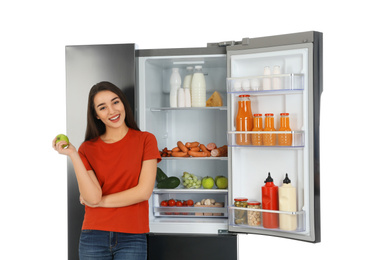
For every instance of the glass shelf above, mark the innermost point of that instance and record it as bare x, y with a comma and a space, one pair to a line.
159, 109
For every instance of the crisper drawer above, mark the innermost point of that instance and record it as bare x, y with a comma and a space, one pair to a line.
190, 203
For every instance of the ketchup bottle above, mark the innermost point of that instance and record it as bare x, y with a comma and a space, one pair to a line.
270, 201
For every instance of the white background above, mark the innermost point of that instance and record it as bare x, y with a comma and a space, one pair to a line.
33, 35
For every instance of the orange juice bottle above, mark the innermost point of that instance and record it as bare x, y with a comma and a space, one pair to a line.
285, 139
257, 139
269, 139
244, 119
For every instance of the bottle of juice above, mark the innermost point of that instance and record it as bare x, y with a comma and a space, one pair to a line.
257, 139
270, 201
244, 119
287, 202
285, 139
269, 139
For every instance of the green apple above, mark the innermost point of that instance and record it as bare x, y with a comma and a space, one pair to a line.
62, 137
208, 182
221, 182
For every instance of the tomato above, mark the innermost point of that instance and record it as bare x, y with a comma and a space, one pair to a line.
185, 203
190, 203
179, 203
171, 202
164, 203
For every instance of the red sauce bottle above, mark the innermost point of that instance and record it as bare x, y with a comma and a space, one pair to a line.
270, 201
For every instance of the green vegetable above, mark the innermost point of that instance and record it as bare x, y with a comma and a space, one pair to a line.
169, 183
160, 175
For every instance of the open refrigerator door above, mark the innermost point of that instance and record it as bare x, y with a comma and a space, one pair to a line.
278, 84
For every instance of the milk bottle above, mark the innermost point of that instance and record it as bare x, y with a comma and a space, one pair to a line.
186, 85
198, 87
287, 202
175, 83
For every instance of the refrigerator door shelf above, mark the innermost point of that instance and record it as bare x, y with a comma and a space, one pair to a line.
276, 83
297, 138
298, 218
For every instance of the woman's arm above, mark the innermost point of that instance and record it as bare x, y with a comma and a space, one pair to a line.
88, 184
137, 194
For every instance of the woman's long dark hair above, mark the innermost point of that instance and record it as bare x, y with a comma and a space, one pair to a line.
95, 127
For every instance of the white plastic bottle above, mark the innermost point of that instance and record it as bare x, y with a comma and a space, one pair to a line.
277, 84
180, 97
198, 88
175, 83
287, 202
187, 86
266, 81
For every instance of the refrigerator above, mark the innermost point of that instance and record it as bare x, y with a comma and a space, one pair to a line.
233, 69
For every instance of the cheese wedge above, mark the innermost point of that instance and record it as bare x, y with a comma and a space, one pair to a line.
215, 100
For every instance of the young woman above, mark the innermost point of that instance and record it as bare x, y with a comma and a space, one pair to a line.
115, 168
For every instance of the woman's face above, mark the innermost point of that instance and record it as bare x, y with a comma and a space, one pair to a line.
109, 108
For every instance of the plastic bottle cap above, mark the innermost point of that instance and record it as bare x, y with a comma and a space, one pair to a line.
270, 114
269, 178
257, 114
287, 180
284, 114
240, 199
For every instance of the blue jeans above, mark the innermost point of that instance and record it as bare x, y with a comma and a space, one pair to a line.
105, 245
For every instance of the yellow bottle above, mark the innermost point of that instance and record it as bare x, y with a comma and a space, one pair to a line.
287, 196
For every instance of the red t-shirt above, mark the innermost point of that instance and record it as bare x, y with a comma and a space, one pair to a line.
117, 167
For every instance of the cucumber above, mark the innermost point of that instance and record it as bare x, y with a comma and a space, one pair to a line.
169, 183
160, 175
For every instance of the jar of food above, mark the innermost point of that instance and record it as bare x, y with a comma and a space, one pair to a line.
253, 217
240, 216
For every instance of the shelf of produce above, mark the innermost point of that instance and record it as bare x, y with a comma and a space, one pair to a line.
297, 138
253, 85
242, 217
196, 158
188, 191
159, 109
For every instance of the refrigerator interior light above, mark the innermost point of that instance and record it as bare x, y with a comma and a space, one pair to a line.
188, 62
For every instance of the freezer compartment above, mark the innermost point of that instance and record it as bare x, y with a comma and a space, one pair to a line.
266, 83
286, 221
206, 203
255, 138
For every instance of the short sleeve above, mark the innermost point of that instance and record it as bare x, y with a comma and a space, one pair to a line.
151, 148
83, 156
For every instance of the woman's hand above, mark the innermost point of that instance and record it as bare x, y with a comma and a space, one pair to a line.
59, 147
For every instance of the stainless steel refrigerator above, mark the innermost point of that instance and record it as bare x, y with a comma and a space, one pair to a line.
227, 66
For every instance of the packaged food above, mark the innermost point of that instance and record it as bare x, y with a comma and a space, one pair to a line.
257, 139
285, 139
240, 216
254, 217
269, 139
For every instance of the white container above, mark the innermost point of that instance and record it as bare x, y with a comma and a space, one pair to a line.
175, 83
277, 84
180, 97
188, 99
266, 81
188, 78
287, 197
198, 88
